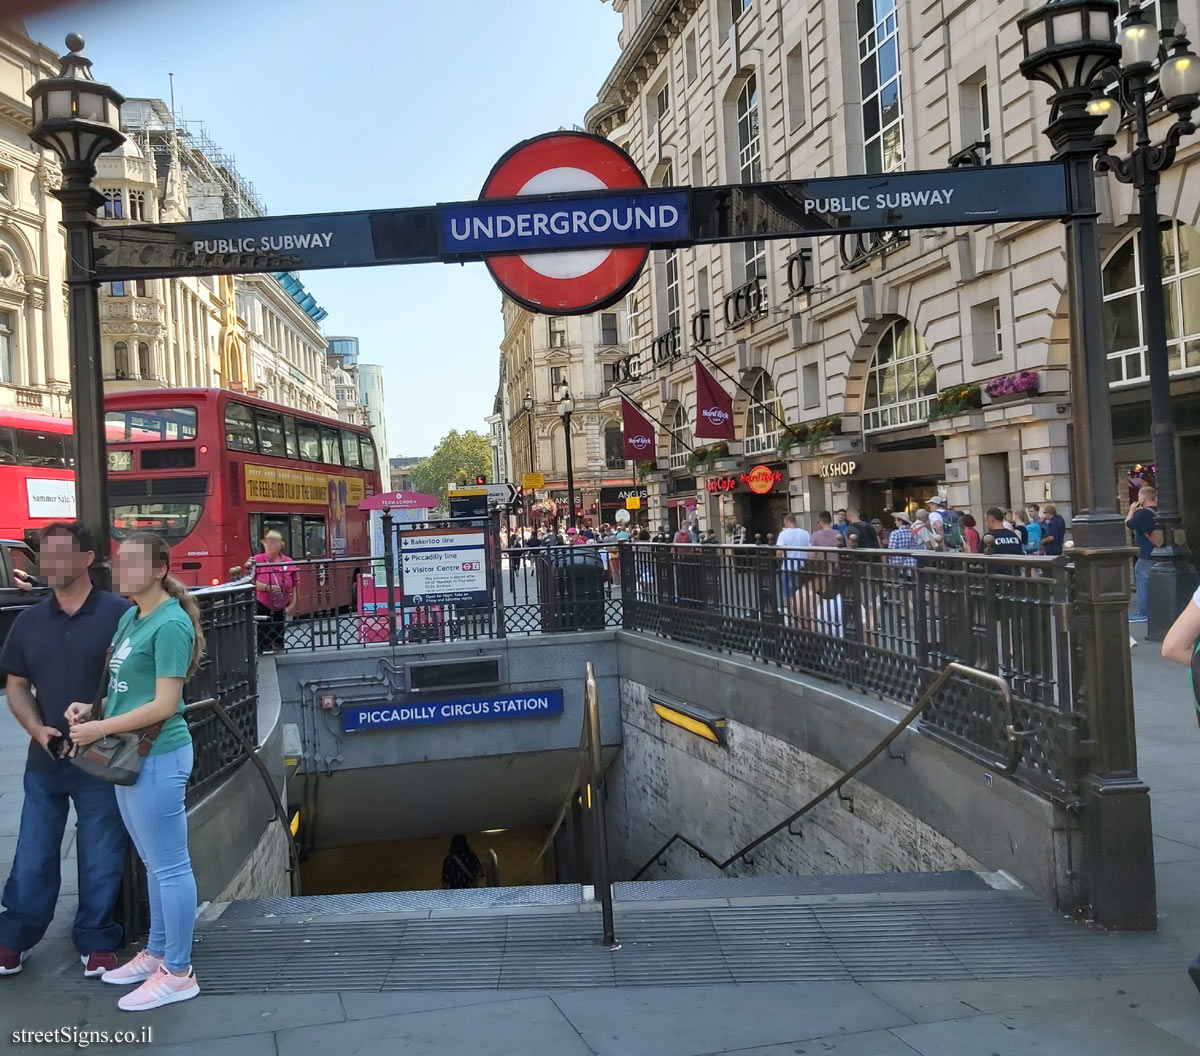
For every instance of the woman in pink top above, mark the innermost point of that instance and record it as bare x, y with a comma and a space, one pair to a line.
274, 590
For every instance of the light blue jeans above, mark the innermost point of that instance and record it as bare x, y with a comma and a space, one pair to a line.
1141, 582
154, 813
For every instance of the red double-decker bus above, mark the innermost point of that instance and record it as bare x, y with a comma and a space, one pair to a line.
37, 473
212, 470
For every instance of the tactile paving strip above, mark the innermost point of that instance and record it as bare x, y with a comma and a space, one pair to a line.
1001, 935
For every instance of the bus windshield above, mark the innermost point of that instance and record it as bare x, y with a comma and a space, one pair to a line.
173, 424
172, 520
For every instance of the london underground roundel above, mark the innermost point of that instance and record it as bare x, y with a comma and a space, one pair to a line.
569, 282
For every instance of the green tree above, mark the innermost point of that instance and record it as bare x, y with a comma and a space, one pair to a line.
458, 458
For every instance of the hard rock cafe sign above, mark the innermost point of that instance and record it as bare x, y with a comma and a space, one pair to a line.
760, 480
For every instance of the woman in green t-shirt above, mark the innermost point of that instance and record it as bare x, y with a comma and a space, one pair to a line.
156, 648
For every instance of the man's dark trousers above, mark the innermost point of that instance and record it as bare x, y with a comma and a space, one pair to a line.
32, 888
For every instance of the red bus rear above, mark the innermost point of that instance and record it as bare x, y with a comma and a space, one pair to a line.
37, 474
212, 470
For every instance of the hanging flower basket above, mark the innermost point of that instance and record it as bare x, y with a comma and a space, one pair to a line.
790, 436
821, 430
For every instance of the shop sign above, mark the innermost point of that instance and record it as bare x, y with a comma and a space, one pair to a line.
526, 704
762, 479
845, 468
617, 496
716, 484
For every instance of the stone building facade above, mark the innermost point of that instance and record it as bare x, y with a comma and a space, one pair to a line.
842, 346
34, 368
587, 352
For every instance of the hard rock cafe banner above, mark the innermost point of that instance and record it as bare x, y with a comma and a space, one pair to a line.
714, 407
639, 433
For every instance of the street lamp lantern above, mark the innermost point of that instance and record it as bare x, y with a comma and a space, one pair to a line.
1139, 42
566, 405
1069, 42
78, 118
527, 403
1179, 76
75, 115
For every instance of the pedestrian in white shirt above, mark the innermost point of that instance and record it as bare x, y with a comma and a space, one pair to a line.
791, 546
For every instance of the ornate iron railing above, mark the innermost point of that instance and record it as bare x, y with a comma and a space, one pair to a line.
886, 623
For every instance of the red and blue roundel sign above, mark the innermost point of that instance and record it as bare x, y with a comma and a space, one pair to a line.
569, 282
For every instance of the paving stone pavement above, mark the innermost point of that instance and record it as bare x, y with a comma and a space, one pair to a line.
1153, 1012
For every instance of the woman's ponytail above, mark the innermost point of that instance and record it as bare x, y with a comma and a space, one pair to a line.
186, 602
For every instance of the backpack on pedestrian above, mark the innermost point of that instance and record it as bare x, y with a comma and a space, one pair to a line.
953, 537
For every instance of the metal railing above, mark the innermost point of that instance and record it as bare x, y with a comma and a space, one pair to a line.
885, 622
586, 790
1007, 763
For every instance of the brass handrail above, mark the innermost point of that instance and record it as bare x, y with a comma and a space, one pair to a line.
1012, 758
252, 755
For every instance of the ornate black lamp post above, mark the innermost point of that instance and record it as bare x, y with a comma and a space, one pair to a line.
527, 403
80, 119
1136, 89
566, 407
1068, 45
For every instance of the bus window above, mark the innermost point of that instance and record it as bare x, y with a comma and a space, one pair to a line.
8, 447
314, 537
310, 441
368, 452
270, 433
350, 449
289, 436
261, 523
174, 424
331, 445
296, 536
239, 428
172, 520
43, 450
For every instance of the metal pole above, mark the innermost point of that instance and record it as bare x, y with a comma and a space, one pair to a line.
595, 806
1172, 577
532, 469
1116, 822
79, 202
389, 572
570, 472
496, 571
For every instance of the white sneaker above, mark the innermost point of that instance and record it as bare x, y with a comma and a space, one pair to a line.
138, 970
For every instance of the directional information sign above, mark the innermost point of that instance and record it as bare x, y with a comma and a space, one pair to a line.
443, 566
529, 704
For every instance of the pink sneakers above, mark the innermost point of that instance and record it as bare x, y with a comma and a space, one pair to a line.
162, 988
98, 963
140, 968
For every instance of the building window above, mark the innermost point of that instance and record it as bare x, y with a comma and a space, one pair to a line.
120, 361
8, 350
145, 366
681, 438
558, 331
762, 417
1163, 13
139, 287
116, 289
662, 102
754, 254
811, 382
558, 378
879, 62
690, 66
614, 447
987, 333
669, 304
114, 204
1124, 327
985, 124
797, 108
902, 380
737, 8
608, 328
7, 184
137, 205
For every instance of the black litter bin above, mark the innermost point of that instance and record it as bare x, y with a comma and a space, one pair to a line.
571, 588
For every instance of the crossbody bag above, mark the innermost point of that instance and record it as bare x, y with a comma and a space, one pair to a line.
117, 757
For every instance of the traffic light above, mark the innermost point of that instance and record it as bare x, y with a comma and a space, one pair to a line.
481, 479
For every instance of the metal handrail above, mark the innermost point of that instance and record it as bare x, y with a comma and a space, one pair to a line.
1012, 759
252, 755
588, 780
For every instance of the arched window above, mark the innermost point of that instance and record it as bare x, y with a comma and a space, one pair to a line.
614, 447
137, 205
145, 365
879, 72
762, 417
1124, 327
121, 361
681, 438
754, 254
114, 203
902, 380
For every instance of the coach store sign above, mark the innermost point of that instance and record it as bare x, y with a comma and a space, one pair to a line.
759, 481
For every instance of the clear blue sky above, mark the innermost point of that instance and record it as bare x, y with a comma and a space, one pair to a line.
369, 104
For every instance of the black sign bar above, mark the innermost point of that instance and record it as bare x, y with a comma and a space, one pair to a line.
549, 223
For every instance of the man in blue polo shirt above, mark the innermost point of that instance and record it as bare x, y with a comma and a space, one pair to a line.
54, 655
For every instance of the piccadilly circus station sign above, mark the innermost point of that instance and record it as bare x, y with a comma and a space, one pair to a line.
565, 223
